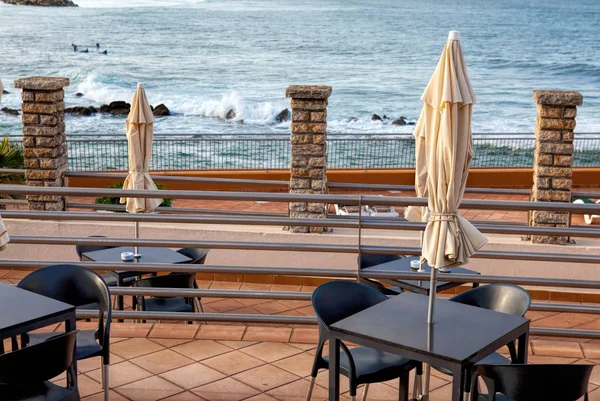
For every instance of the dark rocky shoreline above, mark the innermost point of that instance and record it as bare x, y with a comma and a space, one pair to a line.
41, 3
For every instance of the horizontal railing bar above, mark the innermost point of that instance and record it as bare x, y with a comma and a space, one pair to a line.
12, 170
285, 197
564, 308
201, 317
270, 220
175, 210
203, 293
570, 333
13, 201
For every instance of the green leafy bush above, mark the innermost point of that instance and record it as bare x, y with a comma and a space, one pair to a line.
104, 200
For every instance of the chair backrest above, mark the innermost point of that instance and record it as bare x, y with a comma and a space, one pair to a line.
75, 285
38, 363
337, 300
198, 255
173, 280
373, 259
81, 249
506, 298
538, 382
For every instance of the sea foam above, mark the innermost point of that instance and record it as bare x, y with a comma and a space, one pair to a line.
137, 3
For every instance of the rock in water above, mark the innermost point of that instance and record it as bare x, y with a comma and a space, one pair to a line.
161, 110
44, 3
5, 92
351, 119
230, 115
400, 121
81, 111
376, 117
284, 115
116, 108
12, 112
79, 94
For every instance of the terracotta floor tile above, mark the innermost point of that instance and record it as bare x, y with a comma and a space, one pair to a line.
307, 310
295, 304
233, 362
87, 365
591, 351
565, 320
162, 361
556, 348
256, 287
593, 325
225, 285
121, 373
302, 346
201, 349
322, 380
305, 335
226, 305
193, 375
443, 393
227, 389
173, 330
254, 333
86, 385
220, 332
237, 344
286, 287
535, 359
135, 347
130, 330
150, 389
270, 308
296, 391
261, 397
266, 377
169, 342
113, 396
270, 352
300, 364
185, 396
252, 302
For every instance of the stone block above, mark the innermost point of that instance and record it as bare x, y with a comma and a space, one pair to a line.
32, 163
42, 174
554, 240
551, 196
562, 183
543, 159
48, 141
555, 124
58, 182
57, 206
562, 172
44, 198
33, 183
315, 162
300, 190
42, 108
33, 205
28, 96
299, 172
558, 98
308, 150
40, 131
317, 185
49, 164
301, 138
48, 120
316, 173
549, 217
299, 161
563, 160
318, 116
29, 141
42, 83
310, 128
300, 115
308, 92
319, 139
568, 136
310, 105
299, 230
32, 153
298, 206
318, 230
547, 136
570, 112
543, 182
30, 118
556, 148
300, 183
316, 207
50, 97
549, 111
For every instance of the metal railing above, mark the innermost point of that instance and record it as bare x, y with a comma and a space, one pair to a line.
271, 151
350, 273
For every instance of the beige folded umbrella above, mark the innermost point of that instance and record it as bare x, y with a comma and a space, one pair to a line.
444, 149
140, 131
4, 238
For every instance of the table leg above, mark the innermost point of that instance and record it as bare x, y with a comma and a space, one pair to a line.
523, 347
1, 346
334, 369
70, 325
120, 303
458, 381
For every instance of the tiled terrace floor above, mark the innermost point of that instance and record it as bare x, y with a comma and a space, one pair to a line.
228, 363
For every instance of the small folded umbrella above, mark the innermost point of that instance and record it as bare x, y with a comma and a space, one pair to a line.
444, 149
140, 130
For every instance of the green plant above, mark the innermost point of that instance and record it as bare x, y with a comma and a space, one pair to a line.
11, 155
104, 200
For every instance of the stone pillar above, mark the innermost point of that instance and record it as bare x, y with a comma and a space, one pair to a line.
553, 158
308, 173
44, 146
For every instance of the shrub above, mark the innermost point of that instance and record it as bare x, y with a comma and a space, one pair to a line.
104, 200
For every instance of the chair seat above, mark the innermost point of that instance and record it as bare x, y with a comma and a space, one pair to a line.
373, 365
175, 304
492, 359
87, 346
111, 280
46, 391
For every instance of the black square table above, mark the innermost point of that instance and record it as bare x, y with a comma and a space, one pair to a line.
149, 255
420, 287
22, 311
460, 336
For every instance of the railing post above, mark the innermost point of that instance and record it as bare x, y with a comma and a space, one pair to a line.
308, 170
44, 147
553, 158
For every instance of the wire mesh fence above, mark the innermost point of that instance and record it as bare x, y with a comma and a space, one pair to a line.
272, 151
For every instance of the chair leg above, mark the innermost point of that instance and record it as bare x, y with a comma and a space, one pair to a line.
418, 386
352, 398
311, 385
365, 391
105, 384
403, 388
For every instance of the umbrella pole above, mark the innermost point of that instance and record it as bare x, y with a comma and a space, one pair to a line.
430, 321
432, 291
136, 252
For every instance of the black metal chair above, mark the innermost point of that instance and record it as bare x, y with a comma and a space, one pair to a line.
197, 255
533, 382
77, 286
337, 300
505, 298
164, 303
374, 259
25, 373
109, 278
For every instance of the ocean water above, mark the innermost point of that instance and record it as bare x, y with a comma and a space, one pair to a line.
203, 58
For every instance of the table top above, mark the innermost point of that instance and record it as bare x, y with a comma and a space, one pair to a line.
149, 255
458, 334
403, 265
20, 307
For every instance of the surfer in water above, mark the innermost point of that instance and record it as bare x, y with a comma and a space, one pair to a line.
85, 51
105, 52
97, 46
74, 47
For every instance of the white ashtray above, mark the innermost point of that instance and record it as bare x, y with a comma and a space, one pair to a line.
415, 264
126, 256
